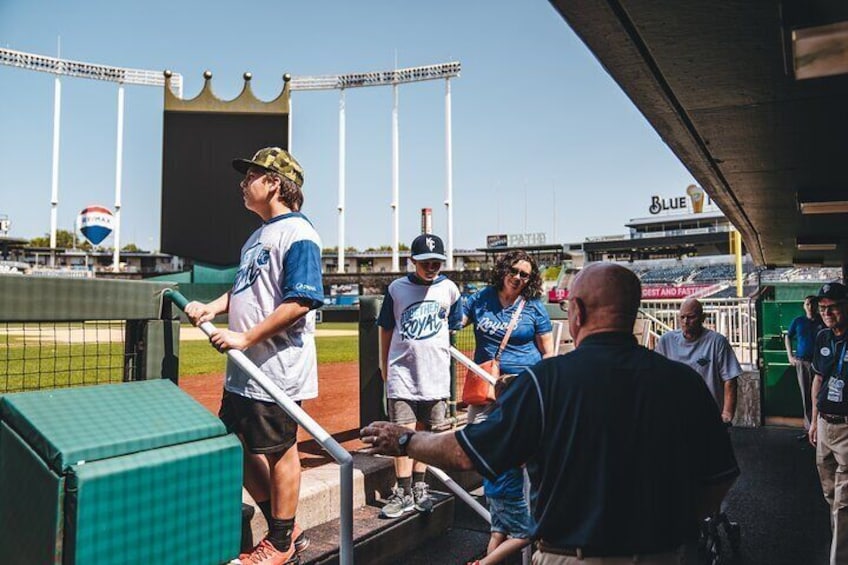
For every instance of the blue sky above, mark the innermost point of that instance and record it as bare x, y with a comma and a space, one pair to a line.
536, 119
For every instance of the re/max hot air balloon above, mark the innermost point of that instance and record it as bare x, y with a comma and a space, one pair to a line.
95, 223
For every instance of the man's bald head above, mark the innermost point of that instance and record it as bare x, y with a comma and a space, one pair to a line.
608, 297
692, 318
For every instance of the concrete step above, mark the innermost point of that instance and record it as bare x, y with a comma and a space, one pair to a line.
373, 479
378, 540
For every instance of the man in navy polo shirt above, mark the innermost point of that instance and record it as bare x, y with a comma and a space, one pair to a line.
625, 449
803, 330
829, 428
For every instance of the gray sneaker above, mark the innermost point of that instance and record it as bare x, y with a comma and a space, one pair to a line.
421, 496
398, 504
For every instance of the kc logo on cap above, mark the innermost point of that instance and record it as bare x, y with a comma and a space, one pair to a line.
428, 247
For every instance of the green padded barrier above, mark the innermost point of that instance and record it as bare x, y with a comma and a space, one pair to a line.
131, 473
179, 504
65, 426
30, 503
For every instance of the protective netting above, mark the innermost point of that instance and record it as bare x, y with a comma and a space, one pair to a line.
43, 355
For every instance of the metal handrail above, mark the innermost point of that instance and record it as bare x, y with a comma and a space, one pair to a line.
461, 493
477, 369
330, 445
450, 483
651, 332
734, 318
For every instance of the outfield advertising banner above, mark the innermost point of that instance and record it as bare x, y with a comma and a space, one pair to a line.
665, 291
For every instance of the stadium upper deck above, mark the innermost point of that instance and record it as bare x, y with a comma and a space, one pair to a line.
679, 226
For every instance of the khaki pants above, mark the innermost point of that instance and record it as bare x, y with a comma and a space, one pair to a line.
670, 558
804, 369
832, 462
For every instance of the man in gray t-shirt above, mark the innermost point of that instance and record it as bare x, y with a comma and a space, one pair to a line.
707, 352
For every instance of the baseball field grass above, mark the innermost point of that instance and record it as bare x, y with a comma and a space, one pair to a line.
199, 358
37, 360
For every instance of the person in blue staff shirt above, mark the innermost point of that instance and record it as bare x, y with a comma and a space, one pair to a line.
803, 330
829, 428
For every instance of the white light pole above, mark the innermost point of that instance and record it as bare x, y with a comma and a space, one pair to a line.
54, 185
395, 183
394, 78
123, 76
449, 175
287, 78
119, 164
340, 268
60, 67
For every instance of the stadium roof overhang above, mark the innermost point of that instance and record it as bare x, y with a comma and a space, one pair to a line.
716, 81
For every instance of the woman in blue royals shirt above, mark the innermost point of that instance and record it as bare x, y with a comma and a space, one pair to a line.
516, 285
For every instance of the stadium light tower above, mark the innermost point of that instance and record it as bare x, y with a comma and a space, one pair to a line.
65, 67
392, 78
123, 76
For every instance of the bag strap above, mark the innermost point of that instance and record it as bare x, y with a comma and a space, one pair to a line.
512, 323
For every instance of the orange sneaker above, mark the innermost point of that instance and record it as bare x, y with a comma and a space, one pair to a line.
266, 554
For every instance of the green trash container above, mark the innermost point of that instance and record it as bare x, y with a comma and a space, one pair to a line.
127, 473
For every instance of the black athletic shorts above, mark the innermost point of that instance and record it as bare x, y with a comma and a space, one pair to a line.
264, 426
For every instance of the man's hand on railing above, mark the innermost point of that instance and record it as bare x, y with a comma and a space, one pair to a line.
224, 340
198, 312
384, 438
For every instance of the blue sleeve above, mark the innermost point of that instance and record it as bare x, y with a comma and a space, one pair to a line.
793, 328
386, 318
468, 306
543, 320
302, 273
455, 315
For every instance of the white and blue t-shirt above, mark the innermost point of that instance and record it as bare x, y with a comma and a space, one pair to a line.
420, 316
490, 319
280, 261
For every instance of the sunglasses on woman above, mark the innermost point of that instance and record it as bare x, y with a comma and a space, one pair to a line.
523, 275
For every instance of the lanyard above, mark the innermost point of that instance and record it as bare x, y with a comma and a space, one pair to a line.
841, 356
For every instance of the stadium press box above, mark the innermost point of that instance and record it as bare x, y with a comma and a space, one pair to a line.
126, 473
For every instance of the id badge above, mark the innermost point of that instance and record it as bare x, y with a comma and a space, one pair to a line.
834, 389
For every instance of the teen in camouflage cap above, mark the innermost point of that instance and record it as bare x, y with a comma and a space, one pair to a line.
275, 160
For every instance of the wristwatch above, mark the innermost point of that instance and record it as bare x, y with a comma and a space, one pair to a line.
403, 442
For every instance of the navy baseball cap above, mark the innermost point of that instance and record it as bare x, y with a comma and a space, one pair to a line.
428, 247
833, 291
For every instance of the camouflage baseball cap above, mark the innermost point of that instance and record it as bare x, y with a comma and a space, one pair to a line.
275, 160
